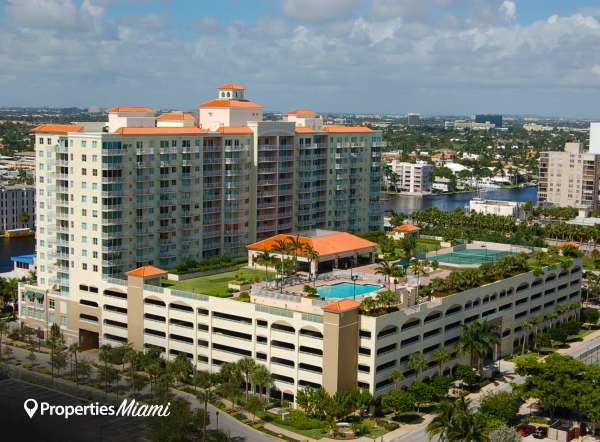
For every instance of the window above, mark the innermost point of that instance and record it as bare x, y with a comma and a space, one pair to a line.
51, 303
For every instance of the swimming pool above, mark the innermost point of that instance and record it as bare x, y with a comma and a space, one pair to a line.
471, 256
346, 290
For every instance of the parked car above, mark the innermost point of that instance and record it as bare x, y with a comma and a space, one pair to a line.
525, 429
540, 432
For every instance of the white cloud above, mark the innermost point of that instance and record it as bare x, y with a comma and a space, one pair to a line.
509, 8
318, 10
450, 61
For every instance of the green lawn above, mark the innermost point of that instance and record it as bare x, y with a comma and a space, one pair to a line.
214, 285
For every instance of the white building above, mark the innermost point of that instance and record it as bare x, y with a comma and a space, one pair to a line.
495, 207
414, 178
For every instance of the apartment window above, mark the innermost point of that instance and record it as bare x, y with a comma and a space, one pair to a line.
51, 303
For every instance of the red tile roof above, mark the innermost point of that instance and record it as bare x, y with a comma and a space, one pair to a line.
241, 104
175, 116
325, 245
147, 272
347, 129
342, 305
302, 113
130, 109
161, 131
233, 86
233, 130
406, 228
305, 130
57, 128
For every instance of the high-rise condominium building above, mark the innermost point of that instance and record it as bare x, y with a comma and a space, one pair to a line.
569, 178
146, 189
413, 119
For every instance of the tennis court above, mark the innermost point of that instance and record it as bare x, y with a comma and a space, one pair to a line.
470, 256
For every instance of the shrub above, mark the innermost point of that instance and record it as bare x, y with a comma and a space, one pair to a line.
590, 315
300, 421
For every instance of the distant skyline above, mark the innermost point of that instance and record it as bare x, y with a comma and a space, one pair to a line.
433, 57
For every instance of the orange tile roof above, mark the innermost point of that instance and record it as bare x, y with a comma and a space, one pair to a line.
342, 305
57, 128
406, 228
234, 86
161, 131
147, 272
303, 113
242, 104
347, 129
233, 130
130, 109
325, 245
176, 116
305, 130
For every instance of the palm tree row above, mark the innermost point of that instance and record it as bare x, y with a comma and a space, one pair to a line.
456, 421
291, 246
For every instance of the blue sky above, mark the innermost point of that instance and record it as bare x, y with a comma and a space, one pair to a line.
384, 56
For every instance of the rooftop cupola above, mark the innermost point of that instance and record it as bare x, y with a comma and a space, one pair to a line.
230, 91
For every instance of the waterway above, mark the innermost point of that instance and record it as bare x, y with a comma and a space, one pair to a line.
408, 204
14, 247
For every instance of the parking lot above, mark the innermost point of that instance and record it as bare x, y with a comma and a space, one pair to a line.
13, 394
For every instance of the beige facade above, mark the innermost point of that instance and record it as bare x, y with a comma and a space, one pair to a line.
308, 343
569, 178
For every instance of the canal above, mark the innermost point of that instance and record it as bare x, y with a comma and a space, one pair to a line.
408, 204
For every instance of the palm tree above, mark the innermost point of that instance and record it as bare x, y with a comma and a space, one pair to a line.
478, 339
206, 381
132, 358
397, 272
418, 269
105, 355
74, 350
386, 269
417, 363
368, 304
527, 325
265, 259
261, 378
312, 255
283, 248
297, 247
440, 355
397, 377
246, 366
457, 422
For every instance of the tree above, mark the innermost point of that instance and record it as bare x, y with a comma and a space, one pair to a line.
3, 330
421, 393
558, 334
206, 382
589, 315
178, 426
399, 401
265, 259
31, 356
418, 269
440, 355
74, 350
386, 269
56, 345
479, 340
231, 378
503, 406
261, 378
504, 433
246, 366
313, 256
417, 363
253, 405
397, 377
105, 356
456, 422
181, 368
132, 358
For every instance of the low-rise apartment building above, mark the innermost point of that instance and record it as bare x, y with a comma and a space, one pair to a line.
569, 178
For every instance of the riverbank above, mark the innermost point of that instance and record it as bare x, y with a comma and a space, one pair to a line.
457, 200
